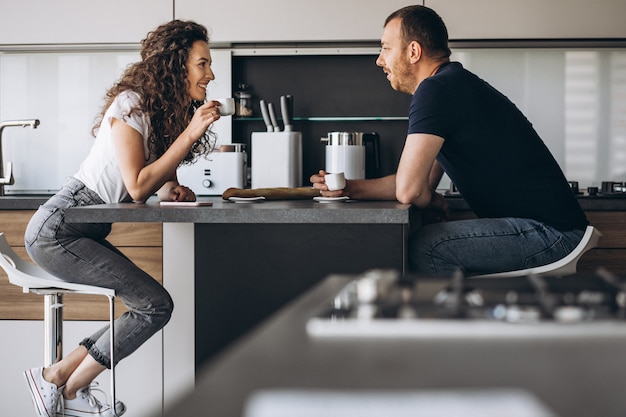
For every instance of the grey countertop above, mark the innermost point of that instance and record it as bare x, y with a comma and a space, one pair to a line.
9, 202
290, 211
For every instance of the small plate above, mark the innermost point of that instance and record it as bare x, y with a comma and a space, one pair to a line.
185, 203
246, 199
331, 199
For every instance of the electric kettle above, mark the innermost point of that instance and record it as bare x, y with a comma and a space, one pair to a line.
347, 152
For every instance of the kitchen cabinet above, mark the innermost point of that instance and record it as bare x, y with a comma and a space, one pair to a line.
290, 21
229, 266
76, 21
532, 19
140, 242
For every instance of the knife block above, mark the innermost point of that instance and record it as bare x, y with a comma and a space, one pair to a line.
276, 159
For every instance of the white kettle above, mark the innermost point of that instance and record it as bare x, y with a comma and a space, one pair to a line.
346, 152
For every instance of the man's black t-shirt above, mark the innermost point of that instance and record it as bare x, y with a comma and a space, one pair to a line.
491, 152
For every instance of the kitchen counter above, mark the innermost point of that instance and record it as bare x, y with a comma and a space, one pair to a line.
287, 211
9, 202
573, 377
230, 266
588, 203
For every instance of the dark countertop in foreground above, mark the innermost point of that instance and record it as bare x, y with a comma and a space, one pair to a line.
575, 377
597, 203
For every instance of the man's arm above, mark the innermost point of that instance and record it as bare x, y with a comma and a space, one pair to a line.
418, 169
436, 173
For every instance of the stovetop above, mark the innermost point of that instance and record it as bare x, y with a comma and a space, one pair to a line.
382, 303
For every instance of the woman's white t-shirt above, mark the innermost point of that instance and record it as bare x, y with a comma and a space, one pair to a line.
100, 170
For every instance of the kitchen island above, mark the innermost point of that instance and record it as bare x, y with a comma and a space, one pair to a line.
229, 266
239, 235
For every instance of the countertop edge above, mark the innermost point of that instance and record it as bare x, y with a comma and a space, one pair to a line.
285, 212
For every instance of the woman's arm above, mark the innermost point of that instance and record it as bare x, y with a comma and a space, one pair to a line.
143, 180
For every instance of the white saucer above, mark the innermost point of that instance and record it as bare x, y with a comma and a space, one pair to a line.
331, 199
185, 203
244, 200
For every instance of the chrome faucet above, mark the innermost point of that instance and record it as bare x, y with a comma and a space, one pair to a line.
7, 173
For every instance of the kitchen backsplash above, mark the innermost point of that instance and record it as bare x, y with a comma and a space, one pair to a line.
575, 98
64, 90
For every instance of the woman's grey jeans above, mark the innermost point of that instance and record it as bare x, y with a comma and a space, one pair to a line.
81, 254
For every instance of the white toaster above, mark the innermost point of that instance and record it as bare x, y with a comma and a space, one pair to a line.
217, 172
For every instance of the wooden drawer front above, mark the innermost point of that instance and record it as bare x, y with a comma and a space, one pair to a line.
13, 224
141, 242
613, 227
612, 259
136, 234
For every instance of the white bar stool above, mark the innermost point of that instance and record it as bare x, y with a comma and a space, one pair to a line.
562, 267
34, 279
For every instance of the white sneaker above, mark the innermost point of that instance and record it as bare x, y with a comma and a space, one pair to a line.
87, 405
45, 394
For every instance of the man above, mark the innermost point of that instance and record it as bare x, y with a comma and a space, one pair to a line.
461, 125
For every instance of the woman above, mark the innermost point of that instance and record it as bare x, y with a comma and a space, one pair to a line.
153, 120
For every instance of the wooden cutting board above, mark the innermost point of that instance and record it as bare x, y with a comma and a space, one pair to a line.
277, 193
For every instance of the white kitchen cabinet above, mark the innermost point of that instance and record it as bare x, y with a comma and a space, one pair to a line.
532, 19
79, 21
288, 20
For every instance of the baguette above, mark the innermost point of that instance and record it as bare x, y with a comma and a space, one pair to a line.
277, 193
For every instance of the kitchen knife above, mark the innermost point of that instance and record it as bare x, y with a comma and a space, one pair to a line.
270, 108
266, 117
286, 107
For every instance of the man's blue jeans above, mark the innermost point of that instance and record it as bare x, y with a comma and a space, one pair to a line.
483, 246
80, 253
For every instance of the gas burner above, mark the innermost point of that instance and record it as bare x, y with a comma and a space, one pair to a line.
384, 303
608, 189
613, 189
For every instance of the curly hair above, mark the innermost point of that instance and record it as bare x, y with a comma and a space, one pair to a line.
160, 78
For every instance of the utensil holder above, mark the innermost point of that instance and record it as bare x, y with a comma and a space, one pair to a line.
276, 159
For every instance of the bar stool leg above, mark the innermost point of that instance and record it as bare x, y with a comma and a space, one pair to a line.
53, 328
112, 341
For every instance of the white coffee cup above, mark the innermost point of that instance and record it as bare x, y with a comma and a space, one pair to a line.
335, 181
227, 106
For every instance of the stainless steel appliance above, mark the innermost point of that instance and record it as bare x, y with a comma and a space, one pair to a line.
347, 152
386, 304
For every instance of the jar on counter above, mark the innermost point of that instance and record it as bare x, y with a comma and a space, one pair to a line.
243, 101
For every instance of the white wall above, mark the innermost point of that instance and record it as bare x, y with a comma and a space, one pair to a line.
64, 90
